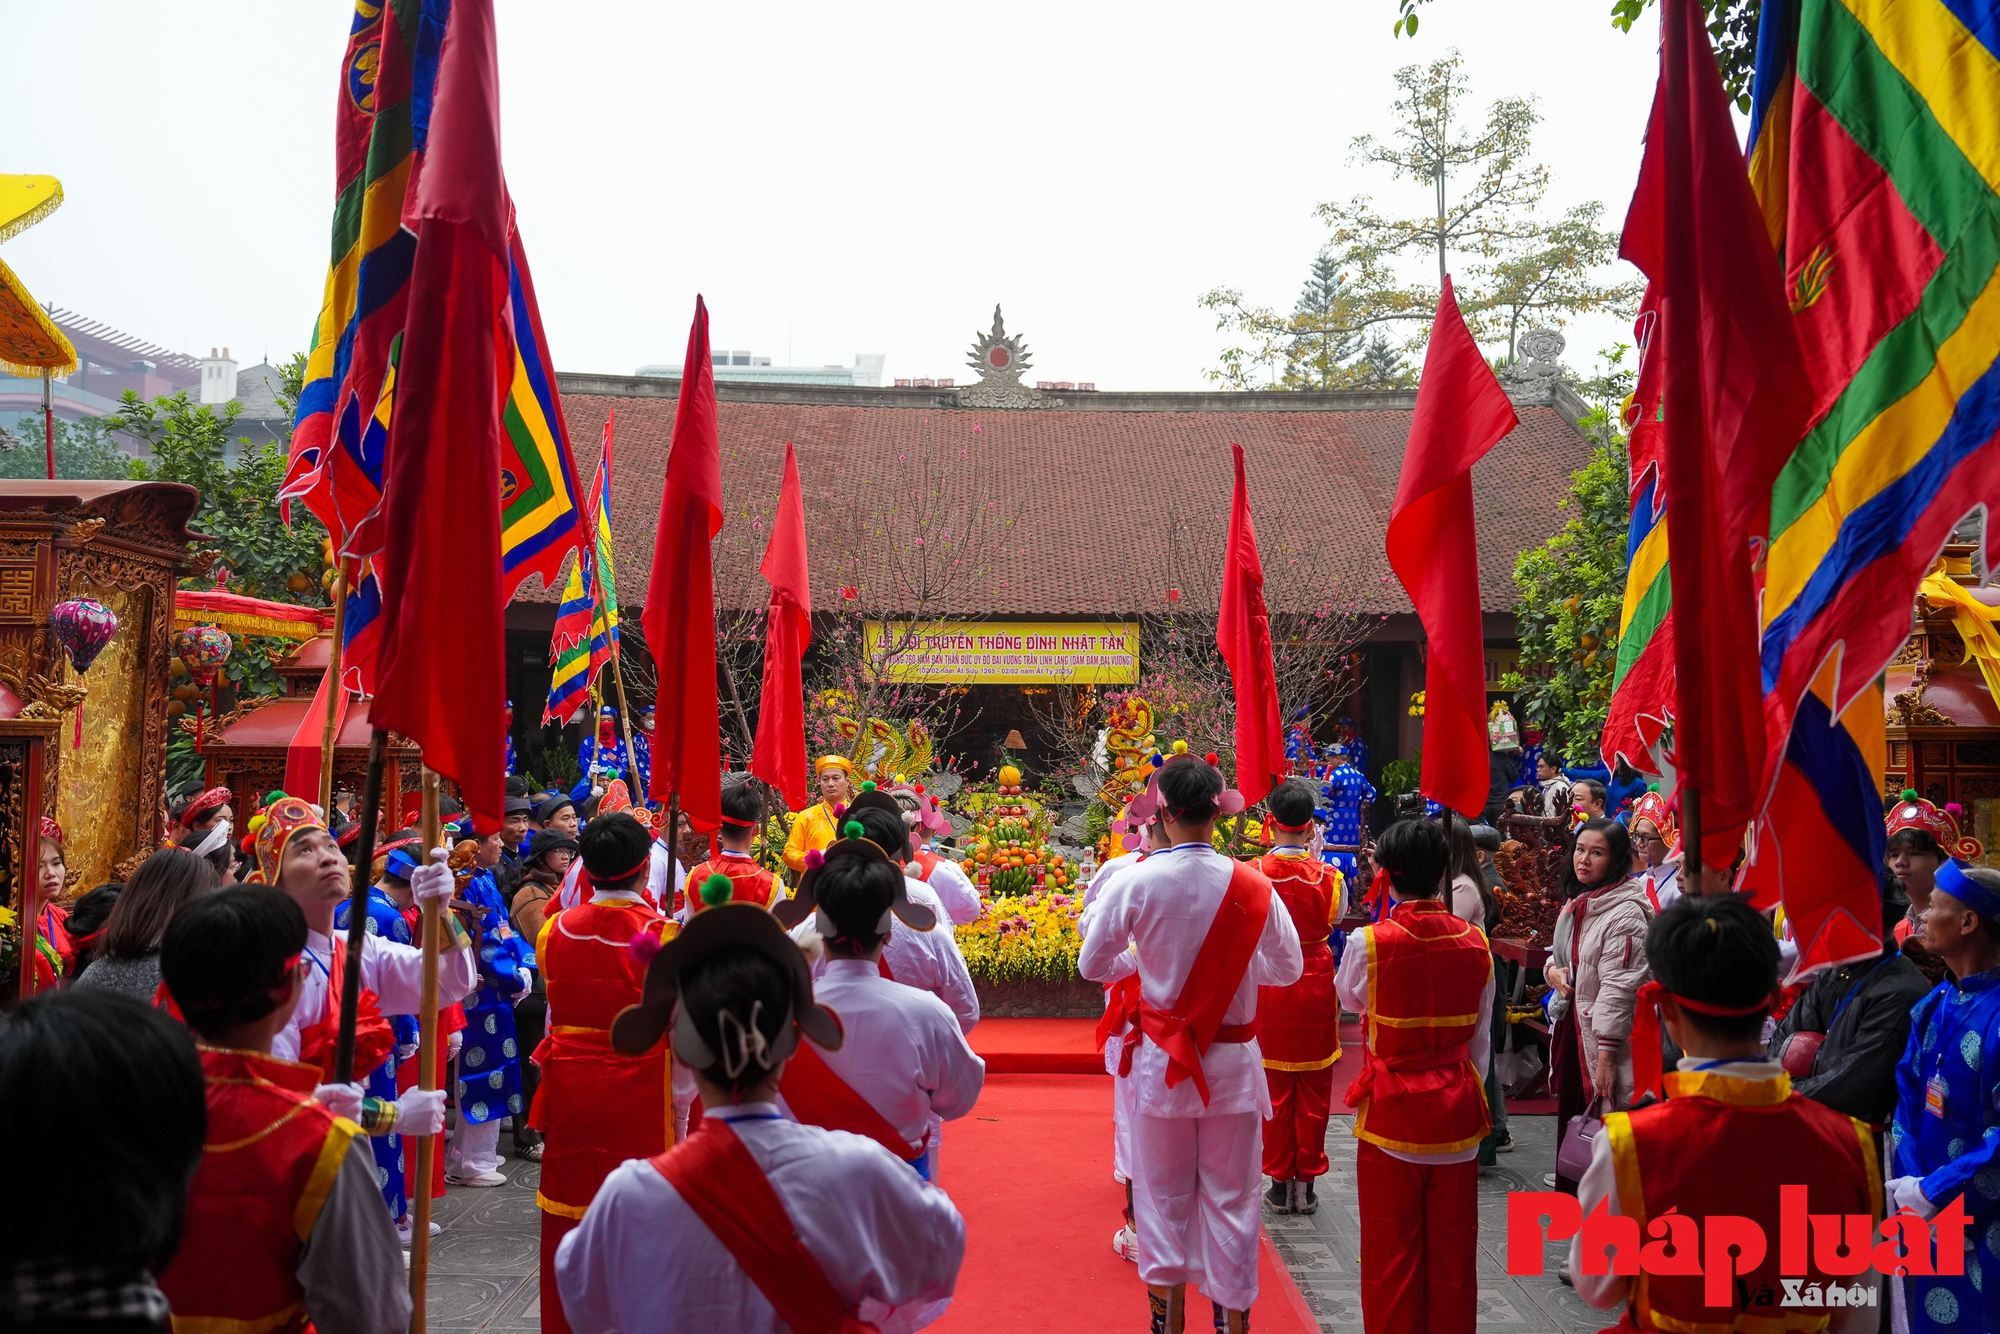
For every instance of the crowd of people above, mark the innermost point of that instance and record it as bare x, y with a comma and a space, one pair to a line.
736, 1081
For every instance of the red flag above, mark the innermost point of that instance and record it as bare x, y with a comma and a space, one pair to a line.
779, 755
1243, 633
302, 756
1735, 399
441, 670
1461, 413
680, 597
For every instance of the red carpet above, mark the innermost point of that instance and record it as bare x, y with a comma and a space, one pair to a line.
1038, 1046
1031, 1171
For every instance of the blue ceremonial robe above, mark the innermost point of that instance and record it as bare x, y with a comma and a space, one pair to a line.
1947, 1132
600, 764
385, 919
642, 751
489, 1064
1343, 796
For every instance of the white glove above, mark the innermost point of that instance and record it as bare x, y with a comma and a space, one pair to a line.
452, 1044
404, 1051
340, 1099
527, 985
1907, 1193
433, 883
596, 790
420, 1113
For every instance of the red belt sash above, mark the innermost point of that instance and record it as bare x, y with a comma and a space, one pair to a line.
819, 1097
722, 1182
1121, 1010
1405, 1063
1193, 1023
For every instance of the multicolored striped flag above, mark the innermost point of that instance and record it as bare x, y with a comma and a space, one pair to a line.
604, 613
1877, 158
569, 647
1642, 682
340, 429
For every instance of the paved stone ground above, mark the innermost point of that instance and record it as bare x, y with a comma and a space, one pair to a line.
484, 1264
1323, 1250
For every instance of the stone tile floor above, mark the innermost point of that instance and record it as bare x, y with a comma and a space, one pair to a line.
484, 1265
1323, 1250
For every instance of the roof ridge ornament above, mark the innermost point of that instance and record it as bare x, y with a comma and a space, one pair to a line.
1000, 357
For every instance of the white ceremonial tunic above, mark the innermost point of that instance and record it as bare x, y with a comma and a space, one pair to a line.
1350, 983
961, 901
1124, 966
927, 960
1163, 907
643, 1262
393, 971
1195, 1169
904, 1052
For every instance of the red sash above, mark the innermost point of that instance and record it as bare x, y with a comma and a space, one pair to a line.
729, 1192
1194, 1024
374, 1039
1121, 1009
819, 1097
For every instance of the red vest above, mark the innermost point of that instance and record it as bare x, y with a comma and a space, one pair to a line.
753, 884
1297, 1025
271, 1157
1769, 1136
927, 860
596, 1105
1419, 1092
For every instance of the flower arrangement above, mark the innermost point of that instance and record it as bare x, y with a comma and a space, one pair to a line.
1025, 938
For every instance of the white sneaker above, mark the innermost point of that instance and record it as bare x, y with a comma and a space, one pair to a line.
1126, 1242
463, 1178
406, 1231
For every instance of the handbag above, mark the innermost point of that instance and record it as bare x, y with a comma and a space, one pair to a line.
1580, 1141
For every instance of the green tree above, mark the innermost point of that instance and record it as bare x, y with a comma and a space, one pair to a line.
1732, 26
264, 556
1486, 188
84, 449
1571, 588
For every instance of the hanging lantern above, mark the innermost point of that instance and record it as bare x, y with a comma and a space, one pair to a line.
203, 649
83, 627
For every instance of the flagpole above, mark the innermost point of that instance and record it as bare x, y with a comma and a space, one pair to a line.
357, 908
328, 738
625, 721
427, 1026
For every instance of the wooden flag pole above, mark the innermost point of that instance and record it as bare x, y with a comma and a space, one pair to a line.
328, 739
625, 721
357, 908
427, 1034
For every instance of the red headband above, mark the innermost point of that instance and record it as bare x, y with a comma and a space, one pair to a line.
1291, 828
739, 824
1646, 1070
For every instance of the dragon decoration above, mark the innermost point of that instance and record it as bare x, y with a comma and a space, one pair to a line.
880, 748
1124, 751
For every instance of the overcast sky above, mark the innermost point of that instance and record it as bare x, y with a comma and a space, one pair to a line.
834, 178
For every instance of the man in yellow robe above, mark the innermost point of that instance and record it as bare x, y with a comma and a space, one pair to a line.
815, 827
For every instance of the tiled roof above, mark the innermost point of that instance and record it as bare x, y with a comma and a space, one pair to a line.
1091, 487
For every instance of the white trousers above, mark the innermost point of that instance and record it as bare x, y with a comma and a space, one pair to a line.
1194, 1194
473, 1148
1121, 1128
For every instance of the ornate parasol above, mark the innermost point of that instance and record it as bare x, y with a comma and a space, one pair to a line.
30, 343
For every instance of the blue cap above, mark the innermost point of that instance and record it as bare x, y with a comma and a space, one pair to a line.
1952, 879
401, 864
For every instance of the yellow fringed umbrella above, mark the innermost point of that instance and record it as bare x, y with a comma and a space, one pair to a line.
30, 343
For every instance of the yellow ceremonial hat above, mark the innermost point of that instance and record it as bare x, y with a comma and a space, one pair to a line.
826, 762
30, 343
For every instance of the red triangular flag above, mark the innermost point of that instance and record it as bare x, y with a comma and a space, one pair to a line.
679, 616
441, 676
1243, 633
1736, 399
779, 755
1461, 413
